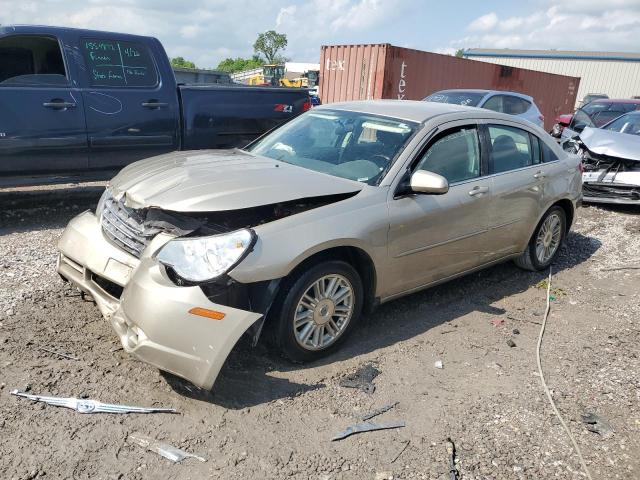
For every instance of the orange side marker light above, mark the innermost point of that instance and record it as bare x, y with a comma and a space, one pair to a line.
205, 312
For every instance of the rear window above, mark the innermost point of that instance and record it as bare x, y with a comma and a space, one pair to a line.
468, 99
114, 63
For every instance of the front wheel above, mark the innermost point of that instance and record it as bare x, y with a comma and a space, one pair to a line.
319, 309
545, 242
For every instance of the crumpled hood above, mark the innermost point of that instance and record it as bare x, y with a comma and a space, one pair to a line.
612, 144
219, 180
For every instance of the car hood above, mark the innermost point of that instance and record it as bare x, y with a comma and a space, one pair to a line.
610, 143
219, 180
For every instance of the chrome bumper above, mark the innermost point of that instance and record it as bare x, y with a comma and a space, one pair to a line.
151, 315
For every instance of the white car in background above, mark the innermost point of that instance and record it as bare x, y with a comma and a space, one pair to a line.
511, 103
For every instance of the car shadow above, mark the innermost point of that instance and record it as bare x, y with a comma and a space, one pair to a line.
612, 207
246, 378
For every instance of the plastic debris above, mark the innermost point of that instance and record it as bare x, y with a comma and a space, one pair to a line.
497, 322
438, 364
164, 449
90, 406
378, 411
367, 427
451, 451
596, 424
362, 378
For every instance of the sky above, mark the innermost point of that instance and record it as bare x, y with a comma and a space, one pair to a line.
207, 31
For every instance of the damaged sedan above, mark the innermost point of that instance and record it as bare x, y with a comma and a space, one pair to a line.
297, 235
611, 160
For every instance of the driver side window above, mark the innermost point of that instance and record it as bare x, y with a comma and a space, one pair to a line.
455, 155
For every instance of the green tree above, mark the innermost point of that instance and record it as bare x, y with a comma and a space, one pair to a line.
182, 63
460, 53
269, 44
231, 65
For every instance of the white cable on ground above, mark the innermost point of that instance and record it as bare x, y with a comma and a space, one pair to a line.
544, 383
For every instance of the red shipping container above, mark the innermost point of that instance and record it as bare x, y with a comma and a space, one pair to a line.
368, 72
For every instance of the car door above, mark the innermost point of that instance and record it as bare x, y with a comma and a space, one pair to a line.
432, 237
130, 102
42, 124
518, 179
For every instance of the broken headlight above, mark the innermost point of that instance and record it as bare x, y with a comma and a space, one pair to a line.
199, 259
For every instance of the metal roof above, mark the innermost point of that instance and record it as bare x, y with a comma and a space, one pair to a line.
552, 54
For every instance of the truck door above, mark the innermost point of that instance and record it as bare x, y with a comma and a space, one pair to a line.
42, 125
131, 102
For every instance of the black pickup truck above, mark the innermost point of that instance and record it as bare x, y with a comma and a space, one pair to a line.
75, 100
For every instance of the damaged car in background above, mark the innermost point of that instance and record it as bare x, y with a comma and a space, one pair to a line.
296, 235
611, 159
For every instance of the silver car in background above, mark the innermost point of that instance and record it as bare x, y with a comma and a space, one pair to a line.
511, 103
345, 207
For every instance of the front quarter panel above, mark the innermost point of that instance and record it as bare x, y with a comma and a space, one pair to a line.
360, 221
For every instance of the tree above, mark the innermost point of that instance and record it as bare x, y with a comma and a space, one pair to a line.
269, 44
460, 53
182, 63
231, 65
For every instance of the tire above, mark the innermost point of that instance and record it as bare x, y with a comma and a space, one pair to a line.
531, 258
324, 318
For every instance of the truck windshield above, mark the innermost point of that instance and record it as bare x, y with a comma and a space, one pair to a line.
345, 144
457, 97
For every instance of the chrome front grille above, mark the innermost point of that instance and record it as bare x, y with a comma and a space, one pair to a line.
124, 227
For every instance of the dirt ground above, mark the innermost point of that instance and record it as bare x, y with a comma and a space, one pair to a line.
268, 419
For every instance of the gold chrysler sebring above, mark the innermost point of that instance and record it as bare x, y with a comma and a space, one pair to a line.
347, 206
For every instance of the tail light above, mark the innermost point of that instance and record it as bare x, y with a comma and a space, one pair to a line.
306, 105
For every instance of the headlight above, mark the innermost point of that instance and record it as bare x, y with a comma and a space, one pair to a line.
205, 258
106, 194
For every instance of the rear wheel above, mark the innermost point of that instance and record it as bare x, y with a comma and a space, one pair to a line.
319, 308
545, 242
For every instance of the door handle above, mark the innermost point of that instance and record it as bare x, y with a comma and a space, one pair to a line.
539, 174
59, 104
478, 191
154, 104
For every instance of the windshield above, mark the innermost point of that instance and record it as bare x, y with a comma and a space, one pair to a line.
628, 123
457, 97
344, 144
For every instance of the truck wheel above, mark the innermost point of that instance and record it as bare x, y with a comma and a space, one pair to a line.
545, 242
319, 309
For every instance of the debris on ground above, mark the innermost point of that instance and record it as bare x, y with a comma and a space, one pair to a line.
516, 331
497, 322
90, 406
64, 355
451, 452
596, 424
511, 343
378, 411
362, 378
367, 427
169, 452
404, 447
439, 364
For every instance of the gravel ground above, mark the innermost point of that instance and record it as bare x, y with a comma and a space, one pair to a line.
269, 419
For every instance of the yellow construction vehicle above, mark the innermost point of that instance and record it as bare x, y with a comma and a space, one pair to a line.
271, 75
308, 79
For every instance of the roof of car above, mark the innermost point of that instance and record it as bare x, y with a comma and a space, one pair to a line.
481, 90
617, 100
416, 111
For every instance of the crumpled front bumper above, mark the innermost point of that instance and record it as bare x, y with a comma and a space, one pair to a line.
622, 188
150, 313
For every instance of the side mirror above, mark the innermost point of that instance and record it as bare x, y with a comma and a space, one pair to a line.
423, 181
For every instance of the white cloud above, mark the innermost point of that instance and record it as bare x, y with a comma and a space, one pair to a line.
586, 25
484, 23
284, 12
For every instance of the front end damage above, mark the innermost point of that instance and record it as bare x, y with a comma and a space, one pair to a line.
611, 166
185, 328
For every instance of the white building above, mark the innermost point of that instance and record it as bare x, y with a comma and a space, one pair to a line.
612, 73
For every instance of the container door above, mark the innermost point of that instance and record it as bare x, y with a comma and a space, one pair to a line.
42, 124
435, 236
132, 111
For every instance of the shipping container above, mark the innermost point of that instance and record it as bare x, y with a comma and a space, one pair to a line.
368, 72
